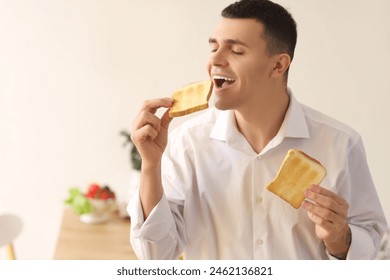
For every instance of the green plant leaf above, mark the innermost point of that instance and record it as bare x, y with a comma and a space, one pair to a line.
78, 201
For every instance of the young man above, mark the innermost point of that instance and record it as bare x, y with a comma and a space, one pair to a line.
203, 195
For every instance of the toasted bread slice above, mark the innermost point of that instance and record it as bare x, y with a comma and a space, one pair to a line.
297, 172
191, 98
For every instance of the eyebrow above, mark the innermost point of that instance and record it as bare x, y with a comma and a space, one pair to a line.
228, 41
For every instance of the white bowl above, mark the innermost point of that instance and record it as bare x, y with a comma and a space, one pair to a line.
101, 213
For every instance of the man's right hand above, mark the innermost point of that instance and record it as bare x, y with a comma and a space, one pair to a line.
150, 133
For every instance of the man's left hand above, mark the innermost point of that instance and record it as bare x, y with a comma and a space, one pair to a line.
329, 213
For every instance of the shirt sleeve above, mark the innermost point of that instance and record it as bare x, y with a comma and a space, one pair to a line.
157, 237
365, 218
362, 245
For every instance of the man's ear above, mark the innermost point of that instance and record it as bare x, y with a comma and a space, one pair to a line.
282, 62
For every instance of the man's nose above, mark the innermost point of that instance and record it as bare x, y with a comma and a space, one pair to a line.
218, 58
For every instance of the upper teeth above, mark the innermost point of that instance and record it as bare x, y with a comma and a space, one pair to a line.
224, 78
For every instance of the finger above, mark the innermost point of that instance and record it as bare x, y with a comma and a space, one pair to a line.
144, 134
327, 225
326, 192
166, 119
147, 118
327, 199
152, 105
324, 201
323, 213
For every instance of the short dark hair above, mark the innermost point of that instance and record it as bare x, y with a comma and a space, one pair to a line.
280, 28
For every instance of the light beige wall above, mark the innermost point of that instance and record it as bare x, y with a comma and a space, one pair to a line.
74, 73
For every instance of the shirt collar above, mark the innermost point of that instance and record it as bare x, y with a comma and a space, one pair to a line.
294, 124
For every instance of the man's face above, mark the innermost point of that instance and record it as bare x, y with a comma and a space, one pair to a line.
239, 64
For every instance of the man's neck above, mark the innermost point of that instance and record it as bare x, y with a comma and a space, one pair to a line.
260, 123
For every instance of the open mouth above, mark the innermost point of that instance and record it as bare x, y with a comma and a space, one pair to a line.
222, 81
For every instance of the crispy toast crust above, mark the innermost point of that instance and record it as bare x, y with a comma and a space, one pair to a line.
191, 98
309, 157
297, 172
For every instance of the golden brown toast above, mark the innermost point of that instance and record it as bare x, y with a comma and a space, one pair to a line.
297, 172
191, 98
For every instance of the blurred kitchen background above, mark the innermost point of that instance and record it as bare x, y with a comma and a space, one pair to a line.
74, 73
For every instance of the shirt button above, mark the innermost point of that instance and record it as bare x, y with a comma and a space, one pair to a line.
259, 199
259, 242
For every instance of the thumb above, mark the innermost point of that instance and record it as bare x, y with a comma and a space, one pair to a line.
166, 119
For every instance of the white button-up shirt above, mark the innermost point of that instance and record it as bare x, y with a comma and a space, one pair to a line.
216, 205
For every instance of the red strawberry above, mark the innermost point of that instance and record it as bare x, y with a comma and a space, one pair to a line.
103, 194
106, 193
93, 190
